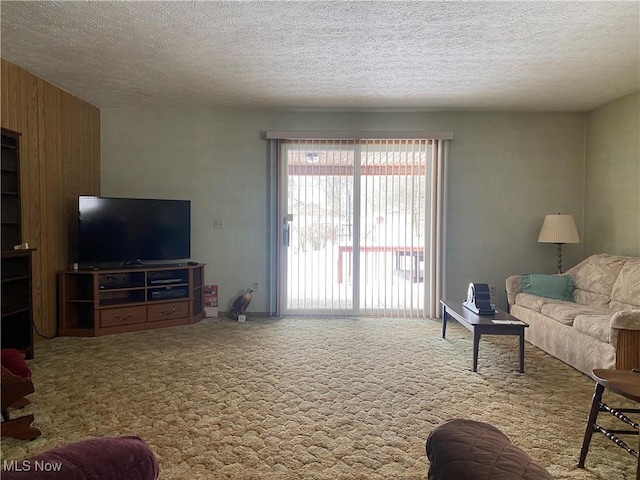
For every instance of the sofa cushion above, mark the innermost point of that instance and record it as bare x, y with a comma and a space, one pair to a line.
592, 299
597, 274
558, 287
596, 326
565, 312
625, 292
617, 306
531, 301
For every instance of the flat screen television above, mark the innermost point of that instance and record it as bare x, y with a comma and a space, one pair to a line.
132, 230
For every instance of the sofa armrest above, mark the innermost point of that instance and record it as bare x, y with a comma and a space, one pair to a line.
514, 287
626, 320
106, 458
625, 337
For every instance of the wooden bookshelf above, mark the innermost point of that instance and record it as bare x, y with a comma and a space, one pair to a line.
17, 301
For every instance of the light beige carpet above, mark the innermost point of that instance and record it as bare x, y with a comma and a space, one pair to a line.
308, 398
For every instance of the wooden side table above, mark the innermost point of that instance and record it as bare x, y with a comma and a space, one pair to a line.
622, 382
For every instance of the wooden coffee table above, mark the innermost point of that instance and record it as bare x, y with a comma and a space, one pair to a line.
500, 323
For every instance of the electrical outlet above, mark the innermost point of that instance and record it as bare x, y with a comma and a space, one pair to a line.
218, 223
492, 290
255, 286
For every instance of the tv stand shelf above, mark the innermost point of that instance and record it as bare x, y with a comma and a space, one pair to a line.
92, 303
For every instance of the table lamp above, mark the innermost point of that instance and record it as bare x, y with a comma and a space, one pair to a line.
559, 229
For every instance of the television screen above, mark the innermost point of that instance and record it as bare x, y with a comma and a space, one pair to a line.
129, 230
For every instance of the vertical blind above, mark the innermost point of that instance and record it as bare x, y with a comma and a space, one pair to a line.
363, 219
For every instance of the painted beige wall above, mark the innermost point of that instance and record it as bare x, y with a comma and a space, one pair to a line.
612, 180
507, 170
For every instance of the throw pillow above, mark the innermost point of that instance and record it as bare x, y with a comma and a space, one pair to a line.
558, 287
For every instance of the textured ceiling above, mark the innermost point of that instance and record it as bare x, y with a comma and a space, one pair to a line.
341, 55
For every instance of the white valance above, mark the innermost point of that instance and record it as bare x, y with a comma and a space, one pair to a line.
354, 135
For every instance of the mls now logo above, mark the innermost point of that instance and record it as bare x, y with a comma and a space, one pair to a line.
31, 466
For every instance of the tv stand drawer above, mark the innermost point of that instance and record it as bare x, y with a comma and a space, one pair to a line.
114, 317
166, 311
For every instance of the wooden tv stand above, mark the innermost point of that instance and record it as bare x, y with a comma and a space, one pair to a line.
92, 303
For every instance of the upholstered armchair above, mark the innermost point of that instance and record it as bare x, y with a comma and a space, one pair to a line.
16, 385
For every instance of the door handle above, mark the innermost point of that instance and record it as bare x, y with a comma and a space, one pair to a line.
286, 229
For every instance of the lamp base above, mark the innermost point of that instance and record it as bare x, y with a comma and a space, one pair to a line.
559, 259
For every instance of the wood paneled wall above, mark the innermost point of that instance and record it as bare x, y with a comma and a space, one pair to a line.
59, 160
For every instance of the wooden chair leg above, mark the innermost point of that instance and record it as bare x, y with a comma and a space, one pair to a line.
23, 402
638, 464
593, 416
20, 428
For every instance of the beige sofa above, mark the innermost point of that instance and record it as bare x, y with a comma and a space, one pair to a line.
600, 328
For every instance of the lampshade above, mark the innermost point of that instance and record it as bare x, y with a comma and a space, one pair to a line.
559, 229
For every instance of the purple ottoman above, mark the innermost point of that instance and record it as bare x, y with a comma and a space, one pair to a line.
103, 458
468, 450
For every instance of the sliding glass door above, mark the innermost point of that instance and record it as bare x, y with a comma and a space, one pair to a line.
357, 226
